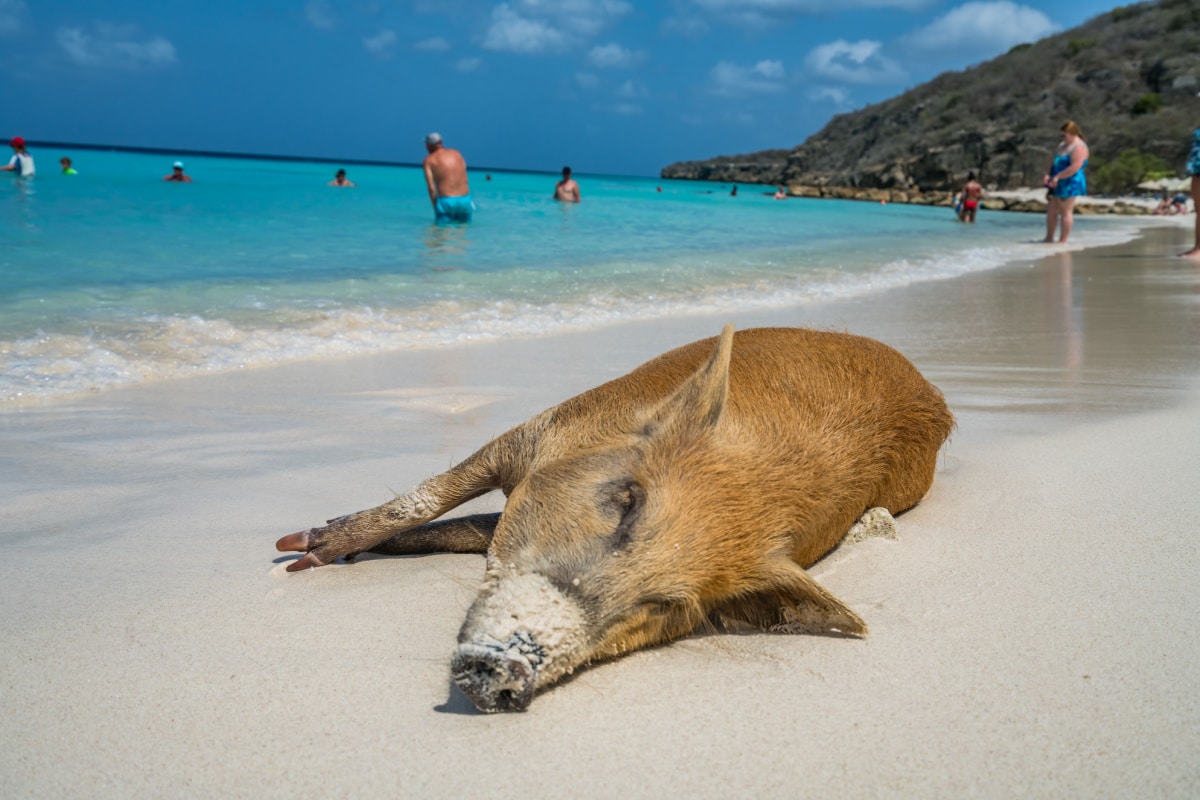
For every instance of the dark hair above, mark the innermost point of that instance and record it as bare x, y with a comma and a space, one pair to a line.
566, 171
970, 176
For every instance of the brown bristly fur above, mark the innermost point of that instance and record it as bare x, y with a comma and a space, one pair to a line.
699, 486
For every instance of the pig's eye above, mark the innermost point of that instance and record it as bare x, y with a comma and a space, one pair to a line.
627, 501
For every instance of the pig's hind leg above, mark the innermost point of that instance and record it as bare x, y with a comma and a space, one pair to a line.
470, 534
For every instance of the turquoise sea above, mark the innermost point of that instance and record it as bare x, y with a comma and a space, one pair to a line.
112, 277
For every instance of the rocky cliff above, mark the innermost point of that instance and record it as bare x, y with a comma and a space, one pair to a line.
1129, 78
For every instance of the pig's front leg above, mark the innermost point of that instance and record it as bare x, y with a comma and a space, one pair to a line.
354, 533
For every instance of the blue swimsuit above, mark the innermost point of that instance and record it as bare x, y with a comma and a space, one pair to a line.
1074, 186
454, 209
1193, 165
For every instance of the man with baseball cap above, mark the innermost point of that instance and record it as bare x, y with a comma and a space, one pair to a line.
446, 178
177, 175
21, 163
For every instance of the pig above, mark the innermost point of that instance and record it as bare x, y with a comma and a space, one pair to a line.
693, 491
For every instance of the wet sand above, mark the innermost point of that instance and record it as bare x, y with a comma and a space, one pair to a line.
1030, 628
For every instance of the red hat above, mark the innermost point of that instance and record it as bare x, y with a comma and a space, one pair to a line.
17, 141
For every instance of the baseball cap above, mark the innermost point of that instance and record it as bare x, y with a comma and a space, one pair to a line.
17, 141
433, 138
177, 164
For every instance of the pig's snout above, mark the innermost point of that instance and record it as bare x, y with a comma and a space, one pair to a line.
496, 676
521, 634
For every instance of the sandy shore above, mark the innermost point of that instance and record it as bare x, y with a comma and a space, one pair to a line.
1030, 629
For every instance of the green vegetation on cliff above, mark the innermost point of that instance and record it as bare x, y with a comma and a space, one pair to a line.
1130, 78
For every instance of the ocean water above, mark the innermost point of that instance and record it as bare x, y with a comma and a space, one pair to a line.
112, 277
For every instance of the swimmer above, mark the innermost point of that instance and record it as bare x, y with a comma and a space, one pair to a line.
780, 194
446, 179
972, 192
21, 163
1066, 182
177, 175
67, 169
567, 190
340, 179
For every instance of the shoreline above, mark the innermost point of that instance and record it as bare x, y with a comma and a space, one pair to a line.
148, 347
1023, 200
1025, 627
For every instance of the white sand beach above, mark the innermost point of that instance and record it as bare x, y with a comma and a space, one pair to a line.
1030, 628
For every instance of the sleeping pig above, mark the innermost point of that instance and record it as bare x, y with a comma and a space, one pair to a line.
696, 488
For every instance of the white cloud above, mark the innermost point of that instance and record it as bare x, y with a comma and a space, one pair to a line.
771, 70
987, 28
12, 16
319, 14
468, 64
732, 80
853, 62
631, 90
435, 45
109, 46
612, 56
765, 15
512, 33
587, 80
627, 109
581, 17
687, 27
541, 26
778, 8
382, 44
839, 97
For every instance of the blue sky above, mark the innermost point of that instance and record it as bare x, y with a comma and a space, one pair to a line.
607, 86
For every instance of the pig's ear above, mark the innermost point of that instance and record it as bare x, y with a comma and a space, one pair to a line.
698, 402
791, 602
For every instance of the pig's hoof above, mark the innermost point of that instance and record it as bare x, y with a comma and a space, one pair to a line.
494, 679
293, 542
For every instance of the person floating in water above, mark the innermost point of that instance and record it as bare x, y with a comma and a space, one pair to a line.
177, 175
67, 169
733, 192
567, 190
21, 163
1066, 181
340, 179
446, 179
781, 193
972, 192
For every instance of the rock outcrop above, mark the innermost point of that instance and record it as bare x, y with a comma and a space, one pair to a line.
1129, 78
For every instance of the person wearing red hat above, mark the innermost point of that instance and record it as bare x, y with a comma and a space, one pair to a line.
21, 162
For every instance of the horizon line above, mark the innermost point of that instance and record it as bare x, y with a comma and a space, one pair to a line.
369, 162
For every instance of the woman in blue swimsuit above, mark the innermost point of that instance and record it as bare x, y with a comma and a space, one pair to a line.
1193, 169
1065, 181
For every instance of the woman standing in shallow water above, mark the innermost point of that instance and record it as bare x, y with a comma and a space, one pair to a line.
1193, 169
1065, 181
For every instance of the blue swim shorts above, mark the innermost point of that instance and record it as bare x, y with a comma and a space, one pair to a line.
1193, 164
454, 209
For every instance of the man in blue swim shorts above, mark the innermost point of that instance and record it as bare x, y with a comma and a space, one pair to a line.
446, 178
